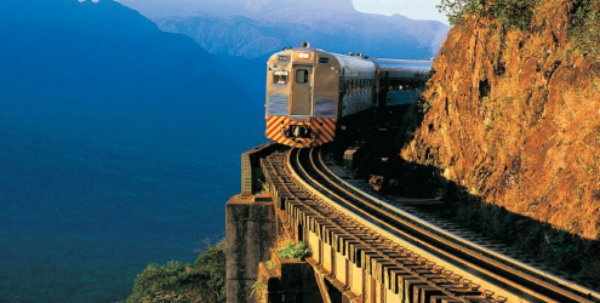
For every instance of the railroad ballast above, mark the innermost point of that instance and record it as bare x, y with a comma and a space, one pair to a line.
312, 94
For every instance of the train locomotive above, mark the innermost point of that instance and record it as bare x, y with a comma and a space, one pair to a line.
312, 94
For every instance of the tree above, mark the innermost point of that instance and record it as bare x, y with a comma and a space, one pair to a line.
176, 282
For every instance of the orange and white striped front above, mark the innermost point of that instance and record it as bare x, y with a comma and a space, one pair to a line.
322, 130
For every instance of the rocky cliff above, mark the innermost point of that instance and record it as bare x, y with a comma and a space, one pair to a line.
512, 117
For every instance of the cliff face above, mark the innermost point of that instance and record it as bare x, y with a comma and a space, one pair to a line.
513, 116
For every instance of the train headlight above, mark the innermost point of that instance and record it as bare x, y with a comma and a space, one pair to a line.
304, 55
299, 131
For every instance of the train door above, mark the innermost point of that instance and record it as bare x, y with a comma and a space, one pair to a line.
302, 102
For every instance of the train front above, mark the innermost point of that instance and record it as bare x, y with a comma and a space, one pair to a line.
301, 112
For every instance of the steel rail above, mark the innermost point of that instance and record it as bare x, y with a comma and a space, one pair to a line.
375, 227
499, 279
415, 242
563, 287
326, 216
436, 285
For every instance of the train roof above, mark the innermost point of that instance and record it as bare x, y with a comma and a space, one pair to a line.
355, 66
363, 67
409, 69
385, 63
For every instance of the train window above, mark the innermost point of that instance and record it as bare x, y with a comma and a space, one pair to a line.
280, 77
323, 60
301, 76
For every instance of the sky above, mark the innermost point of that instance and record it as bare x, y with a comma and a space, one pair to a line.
414, 9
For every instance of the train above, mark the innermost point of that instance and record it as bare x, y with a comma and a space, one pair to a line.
312, 95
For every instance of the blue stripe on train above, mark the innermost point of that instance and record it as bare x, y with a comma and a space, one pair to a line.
278, 105
325, 108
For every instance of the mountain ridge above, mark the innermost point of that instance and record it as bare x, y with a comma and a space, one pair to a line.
375, 35
157, 9
251, 29
76, 36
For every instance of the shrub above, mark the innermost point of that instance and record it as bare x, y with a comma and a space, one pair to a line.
584, 29
564, 249
510, 13
178, 282
294, 251
456, 10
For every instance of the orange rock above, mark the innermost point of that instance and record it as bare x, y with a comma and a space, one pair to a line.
516, 116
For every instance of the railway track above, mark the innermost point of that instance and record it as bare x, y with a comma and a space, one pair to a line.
430, 261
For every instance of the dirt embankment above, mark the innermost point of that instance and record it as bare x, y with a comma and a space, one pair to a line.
512, 117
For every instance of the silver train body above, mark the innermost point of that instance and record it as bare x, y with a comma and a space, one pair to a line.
310, 92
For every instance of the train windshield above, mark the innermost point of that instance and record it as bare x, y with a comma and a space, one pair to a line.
280, 77
301, 76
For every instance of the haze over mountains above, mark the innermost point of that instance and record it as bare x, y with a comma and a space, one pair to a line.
119, 144
73, 48
251, 8
252, 29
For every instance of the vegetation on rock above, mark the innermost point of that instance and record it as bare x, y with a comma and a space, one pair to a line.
294, 251
584, 27
176, 282
510, 13
258, 289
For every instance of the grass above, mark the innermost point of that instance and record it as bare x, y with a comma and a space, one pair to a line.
270, 265
294, 251
258, 289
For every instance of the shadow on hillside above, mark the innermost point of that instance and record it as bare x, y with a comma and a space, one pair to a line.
538, 240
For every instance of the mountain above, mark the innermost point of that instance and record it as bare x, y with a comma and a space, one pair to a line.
255, 8
74, 48
256, 28
119, 145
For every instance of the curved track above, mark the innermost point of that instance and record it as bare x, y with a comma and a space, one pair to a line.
482, 265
